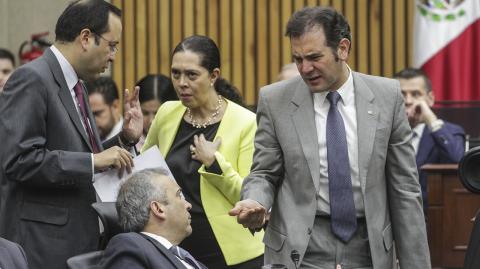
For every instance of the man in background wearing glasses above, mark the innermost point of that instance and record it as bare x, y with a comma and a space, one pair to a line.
50, 146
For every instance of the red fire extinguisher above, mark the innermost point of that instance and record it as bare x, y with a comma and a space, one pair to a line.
37, 45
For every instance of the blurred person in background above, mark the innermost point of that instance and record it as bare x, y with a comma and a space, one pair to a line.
154, 90
105, 105
7, 65
434, 140
288, 71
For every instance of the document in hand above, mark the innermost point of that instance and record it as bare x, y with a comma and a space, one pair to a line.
108, 183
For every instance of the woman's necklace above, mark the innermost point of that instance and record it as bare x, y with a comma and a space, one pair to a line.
209, 120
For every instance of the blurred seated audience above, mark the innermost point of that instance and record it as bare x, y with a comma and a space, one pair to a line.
7, 65
12, 255
105, 105
434, 140
288, 71
152, 208
154, 90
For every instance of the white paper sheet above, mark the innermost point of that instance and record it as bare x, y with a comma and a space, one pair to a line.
108, 183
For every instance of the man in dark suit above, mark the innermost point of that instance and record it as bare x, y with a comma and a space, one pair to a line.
434, 140
50, 147
152, 208
12, 255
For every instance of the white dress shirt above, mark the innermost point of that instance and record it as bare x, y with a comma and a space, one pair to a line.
162, 240
347, 109
417, 135
71, 78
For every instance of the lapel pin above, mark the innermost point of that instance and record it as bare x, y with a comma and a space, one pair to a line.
370, 112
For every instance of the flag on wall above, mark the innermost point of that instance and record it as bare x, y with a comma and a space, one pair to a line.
447, 47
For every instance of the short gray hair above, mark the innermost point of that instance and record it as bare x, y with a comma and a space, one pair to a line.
135, 196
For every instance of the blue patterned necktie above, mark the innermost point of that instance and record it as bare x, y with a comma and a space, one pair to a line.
342, 206
186, 256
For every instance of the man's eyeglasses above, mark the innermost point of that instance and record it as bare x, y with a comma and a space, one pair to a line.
111, 44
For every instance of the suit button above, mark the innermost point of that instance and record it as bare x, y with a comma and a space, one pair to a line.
309, 231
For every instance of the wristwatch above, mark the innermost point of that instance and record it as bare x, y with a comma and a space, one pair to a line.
124, 142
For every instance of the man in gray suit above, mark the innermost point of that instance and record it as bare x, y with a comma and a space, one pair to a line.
12, 255
333, 161
50, 147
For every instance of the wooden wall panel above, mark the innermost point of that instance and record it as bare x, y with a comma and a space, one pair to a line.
141, 39
350, 13
250, 35
249, 48
152, 38
237, 47
274, 32
165, 36
374, 37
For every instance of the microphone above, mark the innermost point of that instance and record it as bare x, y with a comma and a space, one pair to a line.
295, 256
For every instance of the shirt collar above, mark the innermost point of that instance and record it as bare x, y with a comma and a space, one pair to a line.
68, 72
162, 240
418, 130
346, 92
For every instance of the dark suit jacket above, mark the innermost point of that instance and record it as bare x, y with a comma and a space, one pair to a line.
12, 255
446, 145
134, 250
46, 167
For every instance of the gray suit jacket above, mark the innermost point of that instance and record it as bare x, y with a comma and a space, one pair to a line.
285, 171
12, 255
46, 167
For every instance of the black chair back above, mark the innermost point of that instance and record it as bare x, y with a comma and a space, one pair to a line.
107, 213
88, 260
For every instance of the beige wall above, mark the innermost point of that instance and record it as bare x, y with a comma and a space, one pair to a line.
21, 18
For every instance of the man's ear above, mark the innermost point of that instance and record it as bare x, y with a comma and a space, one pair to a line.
116, 106
430, 99
157, 209
343, 48
84, 37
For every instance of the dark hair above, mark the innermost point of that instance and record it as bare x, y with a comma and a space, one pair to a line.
6, 54
203, 46
104, 86
81, 14
334, 24
209, 55
227, 90
156, 87
409, 73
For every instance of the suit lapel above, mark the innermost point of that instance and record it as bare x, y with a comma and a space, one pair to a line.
64, 94
367, 116
424, 147
304, 122
165, 251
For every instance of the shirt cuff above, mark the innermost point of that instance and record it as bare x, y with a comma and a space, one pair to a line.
436, 125
93, 168
214, 168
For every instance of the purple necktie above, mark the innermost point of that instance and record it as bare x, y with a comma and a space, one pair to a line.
342, 206
83, 111
186, 256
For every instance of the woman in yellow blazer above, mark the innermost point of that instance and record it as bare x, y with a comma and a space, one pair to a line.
207, 142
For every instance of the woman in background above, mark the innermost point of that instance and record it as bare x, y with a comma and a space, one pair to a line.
154, 90
208, 143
